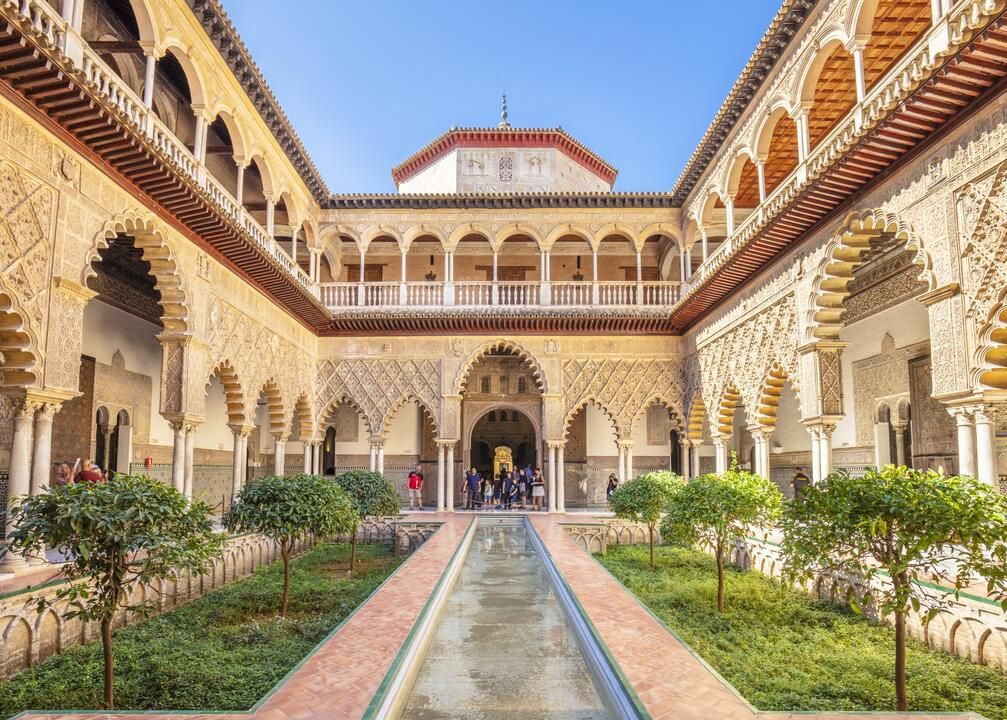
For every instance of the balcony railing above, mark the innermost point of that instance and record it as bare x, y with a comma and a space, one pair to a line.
483, 293
129, 106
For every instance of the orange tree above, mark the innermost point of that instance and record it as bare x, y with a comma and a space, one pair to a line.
644, 498
289, 508
719, 509
373, 494
115, 536
899, 528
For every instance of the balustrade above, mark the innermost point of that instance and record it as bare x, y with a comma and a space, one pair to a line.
481, 293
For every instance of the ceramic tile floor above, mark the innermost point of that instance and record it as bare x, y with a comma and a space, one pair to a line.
338, 681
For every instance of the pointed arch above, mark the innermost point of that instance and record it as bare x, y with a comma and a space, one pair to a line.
726, 408
305, 418
147, 235
696, 418
462, 378
842, 256
276, 417
233, 394
658, 399
406, 399
770, 393
581, 405
343, 398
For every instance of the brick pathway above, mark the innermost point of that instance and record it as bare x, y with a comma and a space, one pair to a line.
338, 681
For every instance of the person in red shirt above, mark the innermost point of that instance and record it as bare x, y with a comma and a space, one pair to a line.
416, 488
88, 473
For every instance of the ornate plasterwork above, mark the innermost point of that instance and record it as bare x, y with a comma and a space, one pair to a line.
378, 388
258, 355
885, 375
624, 388
744, 355
982, 226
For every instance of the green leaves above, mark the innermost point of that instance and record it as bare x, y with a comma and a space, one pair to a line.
372, 492
288, 507
643, 499
910, 525
719, 508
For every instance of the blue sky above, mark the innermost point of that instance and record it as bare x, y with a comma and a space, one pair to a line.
367, 83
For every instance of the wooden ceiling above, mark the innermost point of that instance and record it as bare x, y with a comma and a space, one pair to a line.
835, 95
782, 153
748, 187
898, 24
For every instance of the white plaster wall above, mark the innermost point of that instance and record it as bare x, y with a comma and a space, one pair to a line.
790, 434
213, 433
571, 175
600, 433
107, 329
640, 445
439, 177
404, 435
907, 323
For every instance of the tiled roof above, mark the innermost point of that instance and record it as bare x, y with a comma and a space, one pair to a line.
504, 137
224, 35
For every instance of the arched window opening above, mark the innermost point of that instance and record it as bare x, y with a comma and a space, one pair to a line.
834, 96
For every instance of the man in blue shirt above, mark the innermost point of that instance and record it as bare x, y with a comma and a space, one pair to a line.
471, 488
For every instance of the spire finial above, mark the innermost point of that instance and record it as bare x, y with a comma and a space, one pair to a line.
503, 113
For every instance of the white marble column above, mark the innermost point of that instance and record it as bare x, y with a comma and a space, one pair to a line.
41, 462
985, 448
178, 456
882, 447
686, 461
19, 479
629, 460
279, 454
317, 458
816, 455
552, 477
858, 72
695, 459
243, 459
720, 447
190, 440
306, 463
449, 479
150, 60
373, 459
966, 442
825, 450
237, 460
381, 458
561, 478
440, 477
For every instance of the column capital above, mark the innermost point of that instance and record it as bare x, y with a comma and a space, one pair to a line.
556, 444
445, 443
183, 420
281, 437
626, 444
241, 430
376, 441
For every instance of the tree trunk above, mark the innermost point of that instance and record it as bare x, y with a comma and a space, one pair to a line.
285, 554
353, 547
651, 528
901, 691
720, 578
106, 648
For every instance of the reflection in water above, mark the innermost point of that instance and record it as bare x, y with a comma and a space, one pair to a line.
503, 648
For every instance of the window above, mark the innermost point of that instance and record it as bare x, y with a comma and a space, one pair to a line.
504, 384
522, 385
506, 169
503, 416
484, 385
492, 416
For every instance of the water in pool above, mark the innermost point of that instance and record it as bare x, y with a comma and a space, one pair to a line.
503, 647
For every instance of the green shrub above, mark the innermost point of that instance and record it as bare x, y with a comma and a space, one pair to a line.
785, 651
223, 651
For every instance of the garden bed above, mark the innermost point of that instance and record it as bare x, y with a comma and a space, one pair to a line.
784, 650
223, 651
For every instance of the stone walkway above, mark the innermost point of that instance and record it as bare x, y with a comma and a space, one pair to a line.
339, 679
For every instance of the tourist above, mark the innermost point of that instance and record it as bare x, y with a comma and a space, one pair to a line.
523, 484
800, 481
90, 473
512, 498
63, 476
487, 494
416, 488
509, 483
613, 483
471, 488
498, 482
537, 490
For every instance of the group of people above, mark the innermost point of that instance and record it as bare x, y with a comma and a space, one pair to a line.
522, 489
88, 473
